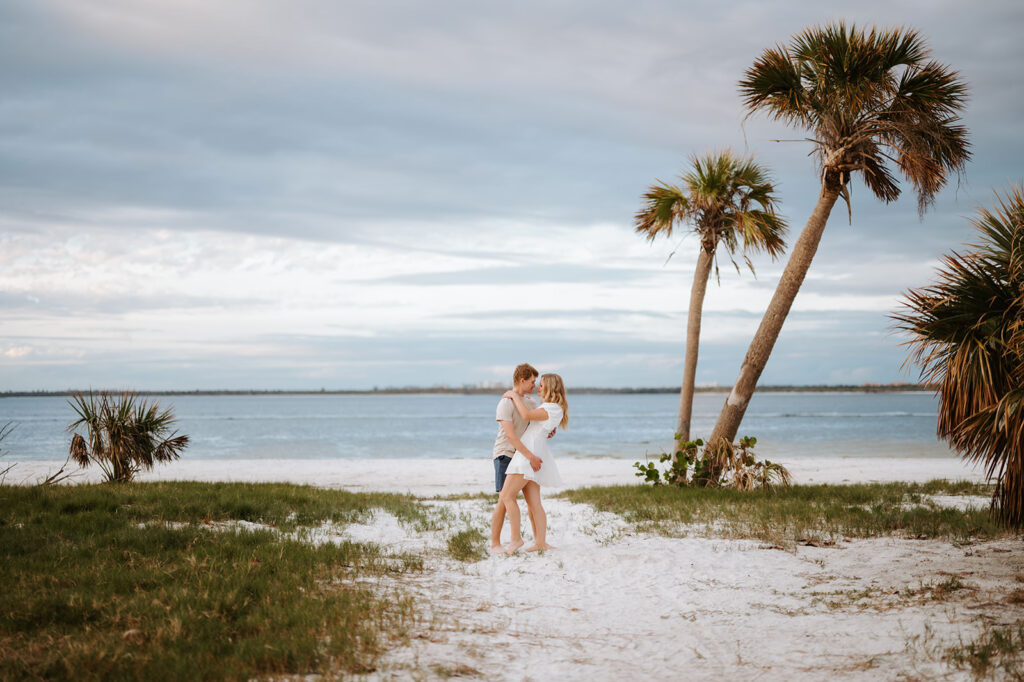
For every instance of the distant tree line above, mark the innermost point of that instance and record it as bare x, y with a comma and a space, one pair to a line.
474, 390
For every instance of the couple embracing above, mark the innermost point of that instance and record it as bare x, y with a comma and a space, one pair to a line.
522, 459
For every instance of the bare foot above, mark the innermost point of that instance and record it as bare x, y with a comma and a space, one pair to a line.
497, 549
513, 546
540, 548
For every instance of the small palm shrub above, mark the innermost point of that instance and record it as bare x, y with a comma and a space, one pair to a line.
124, 434
728, 466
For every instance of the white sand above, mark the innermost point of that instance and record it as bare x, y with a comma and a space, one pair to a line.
431, 477
610, 604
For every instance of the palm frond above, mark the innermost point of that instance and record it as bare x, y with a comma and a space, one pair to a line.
775, 85
967, 334
664, 205
125, 435
867, 97
720, 196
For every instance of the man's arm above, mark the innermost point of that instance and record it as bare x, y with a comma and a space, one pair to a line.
510, 433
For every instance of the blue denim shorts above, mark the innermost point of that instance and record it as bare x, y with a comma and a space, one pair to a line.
500, 464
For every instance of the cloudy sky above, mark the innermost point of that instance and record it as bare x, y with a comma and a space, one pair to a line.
314, 193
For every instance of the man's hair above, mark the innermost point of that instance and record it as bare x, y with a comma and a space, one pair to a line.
523, 371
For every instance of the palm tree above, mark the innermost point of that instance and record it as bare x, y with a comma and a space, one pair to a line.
871, 101
124, 436
967, 334
729, 201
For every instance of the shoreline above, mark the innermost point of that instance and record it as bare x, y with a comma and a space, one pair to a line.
487, 390
439, 477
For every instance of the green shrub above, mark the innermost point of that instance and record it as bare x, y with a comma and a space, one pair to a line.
729, 466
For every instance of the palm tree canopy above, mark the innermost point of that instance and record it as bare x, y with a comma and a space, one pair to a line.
726, 199
871, 100
967, 334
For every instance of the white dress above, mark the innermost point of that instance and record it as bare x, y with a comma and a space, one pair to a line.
535, 439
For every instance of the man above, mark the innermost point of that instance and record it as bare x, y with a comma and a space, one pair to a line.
510, 427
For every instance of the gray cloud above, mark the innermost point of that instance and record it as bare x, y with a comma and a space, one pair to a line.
385, 124
816, 353
541, 315
537, 111
82, 304
565, 273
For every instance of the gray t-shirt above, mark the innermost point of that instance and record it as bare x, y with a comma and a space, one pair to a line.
507, 412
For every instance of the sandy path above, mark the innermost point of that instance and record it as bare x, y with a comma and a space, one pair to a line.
612, 605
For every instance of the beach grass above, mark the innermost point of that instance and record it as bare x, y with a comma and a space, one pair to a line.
468, 545
809, 514
140, 581
998, 652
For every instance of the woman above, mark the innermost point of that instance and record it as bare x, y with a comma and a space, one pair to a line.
554, 412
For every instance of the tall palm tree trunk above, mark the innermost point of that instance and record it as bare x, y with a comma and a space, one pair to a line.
1009, 492
697, 291
771, 324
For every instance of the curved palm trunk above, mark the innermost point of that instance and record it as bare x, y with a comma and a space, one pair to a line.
771, 324
697, 291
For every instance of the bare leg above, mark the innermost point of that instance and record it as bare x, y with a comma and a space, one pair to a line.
532, 494
529, 513
513, 484
497, 521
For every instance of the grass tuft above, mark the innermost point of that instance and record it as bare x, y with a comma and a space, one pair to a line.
468, 545
445, 672
947, 587
997, 651
803, 514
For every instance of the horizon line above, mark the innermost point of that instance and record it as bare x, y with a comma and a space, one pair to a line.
482, 390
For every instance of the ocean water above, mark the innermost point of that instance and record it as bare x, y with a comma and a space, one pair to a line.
463, 426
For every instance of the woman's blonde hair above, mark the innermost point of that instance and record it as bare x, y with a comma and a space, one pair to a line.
552, 390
